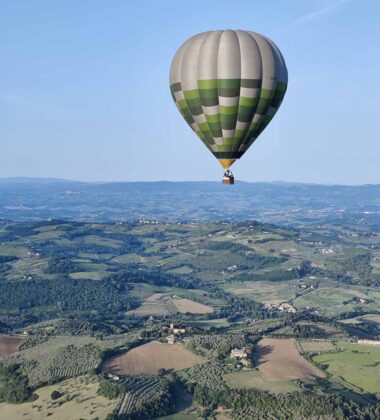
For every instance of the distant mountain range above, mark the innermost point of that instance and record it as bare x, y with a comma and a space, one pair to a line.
26, 199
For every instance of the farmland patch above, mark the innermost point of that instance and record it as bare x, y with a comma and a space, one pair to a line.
357, 364
316, 346
280, 360
187, 305
9, 345
255, 379
58, 358
89, 275
265, 292
161, 304
150, 358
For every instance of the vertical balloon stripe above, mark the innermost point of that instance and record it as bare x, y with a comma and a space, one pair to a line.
268, 62
207, 63
229, 66
175, 69
229, 75
189, 70
177, 88
250, 70
268, 69
281, 70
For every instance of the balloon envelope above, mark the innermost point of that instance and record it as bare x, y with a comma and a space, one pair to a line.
228, 85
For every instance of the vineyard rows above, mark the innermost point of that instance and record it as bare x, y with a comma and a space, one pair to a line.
208, 374
138, 389
62, 327
69, 361
68, 372
73, 327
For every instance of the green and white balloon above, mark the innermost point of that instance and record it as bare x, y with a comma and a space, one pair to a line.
228, 85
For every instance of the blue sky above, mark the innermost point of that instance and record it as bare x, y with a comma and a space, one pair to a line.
84, 90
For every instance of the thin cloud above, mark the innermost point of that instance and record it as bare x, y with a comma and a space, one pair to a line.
315, 15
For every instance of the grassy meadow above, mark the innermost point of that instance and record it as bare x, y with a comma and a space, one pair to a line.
79, 400
358, 365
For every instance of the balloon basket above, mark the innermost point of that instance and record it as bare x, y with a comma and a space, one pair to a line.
228, 178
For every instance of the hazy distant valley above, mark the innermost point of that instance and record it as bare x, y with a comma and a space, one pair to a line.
26, 199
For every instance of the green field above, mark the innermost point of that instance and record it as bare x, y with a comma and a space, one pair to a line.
358, 365
332, 299
316, 346
266, 292
255, 379
91, 275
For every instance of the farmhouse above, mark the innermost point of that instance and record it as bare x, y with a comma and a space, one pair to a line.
238, 354
177, 330
286, 307
283, 307
326, 251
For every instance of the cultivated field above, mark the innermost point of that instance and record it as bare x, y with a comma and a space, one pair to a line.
357, 364
331, 299
265, 292
9, 345
279, 360
150, 358
79, 401
160, 304
187, 305
58, 358
255, 379
139, 389
316, 346
153, 305
91, 275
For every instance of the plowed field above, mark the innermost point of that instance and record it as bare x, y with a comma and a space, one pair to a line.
279, 360
150, 358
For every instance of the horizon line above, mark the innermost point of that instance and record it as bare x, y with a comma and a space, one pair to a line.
55, 179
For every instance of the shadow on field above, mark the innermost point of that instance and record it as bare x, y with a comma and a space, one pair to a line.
260, 353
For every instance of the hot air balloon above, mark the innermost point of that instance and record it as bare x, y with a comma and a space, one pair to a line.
228, 85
